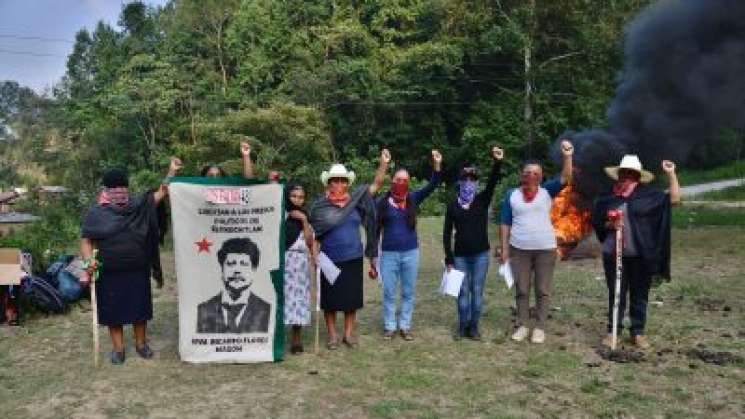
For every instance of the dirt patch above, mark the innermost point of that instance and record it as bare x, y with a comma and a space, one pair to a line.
711, 304
622, 356
717, 358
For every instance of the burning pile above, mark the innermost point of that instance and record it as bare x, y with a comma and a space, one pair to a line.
571, 220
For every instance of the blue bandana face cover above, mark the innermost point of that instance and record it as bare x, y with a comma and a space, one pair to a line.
467, 191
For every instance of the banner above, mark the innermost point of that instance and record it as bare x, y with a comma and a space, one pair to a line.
228, 236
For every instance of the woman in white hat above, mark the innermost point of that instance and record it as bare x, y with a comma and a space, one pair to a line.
646, 239
336, 218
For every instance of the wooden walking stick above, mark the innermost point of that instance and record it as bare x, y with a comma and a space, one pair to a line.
315, 276
617, 215
92, 264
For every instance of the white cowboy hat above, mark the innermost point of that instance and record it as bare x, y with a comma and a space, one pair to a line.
337, 171
630, 162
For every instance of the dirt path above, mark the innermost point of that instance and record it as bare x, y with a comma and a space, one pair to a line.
694, 190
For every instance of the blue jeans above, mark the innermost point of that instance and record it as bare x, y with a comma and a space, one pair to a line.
471, 297
395, 268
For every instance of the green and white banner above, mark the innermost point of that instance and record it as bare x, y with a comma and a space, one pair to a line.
228, 236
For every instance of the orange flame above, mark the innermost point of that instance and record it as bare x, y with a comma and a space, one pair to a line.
571, 222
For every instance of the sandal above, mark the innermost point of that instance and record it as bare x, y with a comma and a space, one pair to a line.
117, 358
350, 342
145, 352
332, 344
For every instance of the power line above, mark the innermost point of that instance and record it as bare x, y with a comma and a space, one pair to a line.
36, 38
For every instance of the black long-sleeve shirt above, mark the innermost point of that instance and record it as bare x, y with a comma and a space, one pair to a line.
471, 233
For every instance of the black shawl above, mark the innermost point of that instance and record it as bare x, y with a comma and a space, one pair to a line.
325, 216
140, 216
650, 213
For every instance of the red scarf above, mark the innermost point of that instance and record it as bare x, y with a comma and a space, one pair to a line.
529, 195
624, 188
399, 193
530, 186
338, 194
114, 196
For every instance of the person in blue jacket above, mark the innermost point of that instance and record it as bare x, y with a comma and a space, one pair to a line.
399, 264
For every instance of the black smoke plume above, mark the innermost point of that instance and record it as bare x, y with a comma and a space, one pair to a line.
681, 94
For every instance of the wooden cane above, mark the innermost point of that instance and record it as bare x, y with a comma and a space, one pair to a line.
617, 293
316, 343
94, 304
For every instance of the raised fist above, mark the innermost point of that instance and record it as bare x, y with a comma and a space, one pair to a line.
567, 149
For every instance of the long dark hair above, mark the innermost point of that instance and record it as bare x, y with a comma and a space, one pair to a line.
293, 227
206, 169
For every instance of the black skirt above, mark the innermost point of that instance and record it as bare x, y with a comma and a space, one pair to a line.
124, 297
346, 293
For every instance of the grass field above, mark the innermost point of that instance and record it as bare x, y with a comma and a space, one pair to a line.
46, 372
736, 193
732, 170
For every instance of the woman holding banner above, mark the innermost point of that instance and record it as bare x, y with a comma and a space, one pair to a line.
214, 170
336, 218
396, 212
298, 241
468, 216
125, 231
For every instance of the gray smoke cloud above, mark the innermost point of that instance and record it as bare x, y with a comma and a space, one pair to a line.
681, 94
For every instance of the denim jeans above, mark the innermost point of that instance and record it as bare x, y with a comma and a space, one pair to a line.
399, 267
636, 283
470, 299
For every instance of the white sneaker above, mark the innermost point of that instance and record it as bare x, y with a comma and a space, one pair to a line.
520, 334
538, 336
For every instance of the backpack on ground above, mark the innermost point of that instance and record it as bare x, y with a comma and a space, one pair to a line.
43, 295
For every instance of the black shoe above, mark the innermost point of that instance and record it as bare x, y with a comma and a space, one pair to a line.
296, 349
474, 334
145, 352
117, 358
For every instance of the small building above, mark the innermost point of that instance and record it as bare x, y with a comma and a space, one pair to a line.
13, 221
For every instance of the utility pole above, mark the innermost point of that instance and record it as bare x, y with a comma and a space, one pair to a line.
527, 59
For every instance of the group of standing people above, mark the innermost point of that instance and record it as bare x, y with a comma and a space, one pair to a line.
125, 231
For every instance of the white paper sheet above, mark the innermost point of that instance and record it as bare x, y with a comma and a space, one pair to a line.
330, 271
506, 272
451, 282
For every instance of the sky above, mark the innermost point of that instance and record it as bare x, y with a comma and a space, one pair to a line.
37, 35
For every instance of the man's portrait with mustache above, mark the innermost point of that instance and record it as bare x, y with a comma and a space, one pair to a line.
235, 309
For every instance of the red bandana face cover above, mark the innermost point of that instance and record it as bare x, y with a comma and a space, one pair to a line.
338, 193
627, 182
399, 192
624, 188
530, 182
114, 196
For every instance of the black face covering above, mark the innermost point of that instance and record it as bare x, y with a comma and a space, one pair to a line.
293, 227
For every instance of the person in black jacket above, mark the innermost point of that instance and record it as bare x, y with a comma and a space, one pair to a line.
125, 231
646, 214
468, 215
